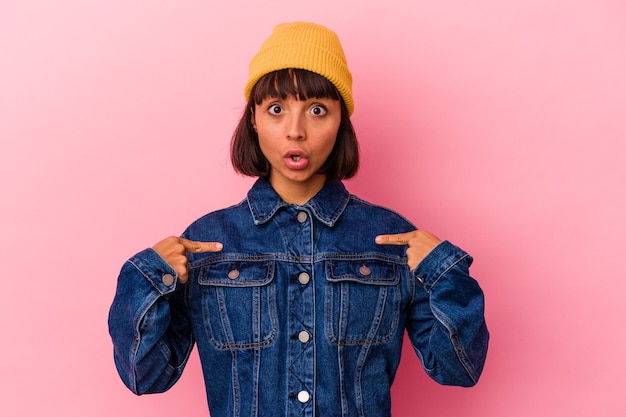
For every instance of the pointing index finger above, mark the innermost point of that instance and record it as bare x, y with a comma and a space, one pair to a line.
200, 247
396, 239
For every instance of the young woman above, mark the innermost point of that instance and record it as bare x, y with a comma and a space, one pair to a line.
298, 297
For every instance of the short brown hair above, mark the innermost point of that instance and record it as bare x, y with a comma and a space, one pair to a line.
245, 152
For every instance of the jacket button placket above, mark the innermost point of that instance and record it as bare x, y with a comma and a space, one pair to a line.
301, 316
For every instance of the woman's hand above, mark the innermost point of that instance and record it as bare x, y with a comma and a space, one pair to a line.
420, 242
174, 251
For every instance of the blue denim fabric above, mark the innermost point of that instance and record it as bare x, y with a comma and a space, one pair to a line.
301, 313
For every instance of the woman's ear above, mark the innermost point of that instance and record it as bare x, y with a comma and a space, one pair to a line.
252, 121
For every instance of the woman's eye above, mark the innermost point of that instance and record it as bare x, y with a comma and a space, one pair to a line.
318, 110
275, 109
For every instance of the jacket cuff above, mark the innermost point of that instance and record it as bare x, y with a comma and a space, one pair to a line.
154, 268
443, 257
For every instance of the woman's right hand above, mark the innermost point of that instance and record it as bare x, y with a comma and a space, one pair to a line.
174, 251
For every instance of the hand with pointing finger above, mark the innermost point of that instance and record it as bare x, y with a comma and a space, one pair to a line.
174, 249
420, 242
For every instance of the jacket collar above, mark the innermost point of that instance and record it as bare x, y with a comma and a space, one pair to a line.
327, 205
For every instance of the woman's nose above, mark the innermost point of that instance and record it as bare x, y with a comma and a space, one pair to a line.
295, 127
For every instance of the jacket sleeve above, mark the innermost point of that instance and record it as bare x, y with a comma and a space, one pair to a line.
446, 323
149, 324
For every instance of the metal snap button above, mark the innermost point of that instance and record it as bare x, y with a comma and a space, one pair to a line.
234, 274
304, 396
364, 270
304, 336
302, 216
167, 279
304, 278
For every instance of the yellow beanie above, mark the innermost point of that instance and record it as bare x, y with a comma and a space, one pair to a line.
307, 46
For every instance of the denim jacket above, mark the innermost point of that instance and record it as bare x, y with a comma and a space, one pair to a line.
301, 313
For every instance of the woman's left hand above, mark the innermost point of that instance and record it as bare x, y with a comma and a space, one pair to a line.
420, 242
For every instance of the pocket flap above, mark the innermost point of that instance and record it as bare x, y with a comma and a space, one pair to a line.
237, 274
364, 271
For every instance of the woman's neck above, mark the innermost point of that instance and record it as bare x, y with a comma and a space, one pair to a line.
294, 192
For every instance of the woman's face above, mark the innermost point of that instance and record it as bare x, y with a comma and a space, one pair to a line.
296, 137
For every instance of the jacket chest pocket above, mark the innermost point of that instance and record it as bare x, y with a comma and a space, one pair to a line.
239, 304
362, 301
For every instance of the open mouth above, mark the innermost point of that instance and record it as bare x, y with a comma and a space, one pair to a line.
296, 160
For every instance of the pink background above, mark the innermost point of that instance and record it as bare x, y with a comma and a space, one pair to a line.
499, 125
